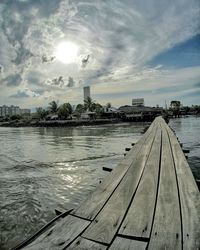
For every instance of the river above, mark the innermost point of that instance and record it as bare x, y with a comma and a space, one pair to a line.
45, 168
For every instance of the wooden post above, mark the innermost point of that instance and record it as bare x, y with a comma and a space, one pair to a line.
198, 184
107, 169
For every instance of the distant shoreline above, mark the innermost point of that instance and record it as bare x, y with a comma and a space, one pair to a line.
64, 123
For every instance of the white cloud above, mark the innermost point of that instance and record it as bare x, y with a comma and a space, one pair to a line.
120, 37
154, 84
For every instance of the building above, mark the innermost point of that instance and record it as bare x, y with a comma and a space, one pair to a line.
25, 111
88, 115
138, 102
13, 110
86, 92
132, 113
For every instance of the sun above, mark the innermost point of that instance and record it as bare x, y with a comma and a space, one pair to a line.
67, 52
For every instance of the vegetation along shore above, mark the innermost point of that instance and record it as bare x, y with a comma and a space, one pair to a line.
92, 113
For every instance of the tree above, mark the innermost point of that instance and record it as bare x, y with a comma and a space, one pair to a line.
108, 105
196, 109
98, 108
186, 109
15, 117
80, 108
65, 110
41, 113
175, 106
53, 107
89, 104
69, 107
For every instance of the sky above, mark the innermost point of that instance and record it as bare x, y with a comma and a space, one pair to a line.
51, 49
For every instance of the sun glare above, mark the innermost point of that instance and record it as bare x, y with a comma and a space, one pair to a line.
67, 52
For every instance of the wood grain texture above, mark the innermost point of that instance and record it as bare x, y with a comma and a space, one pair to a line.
166, 232
126, 244
189, 197
138, 221
84, 244
96, 200
60, 235
105, 225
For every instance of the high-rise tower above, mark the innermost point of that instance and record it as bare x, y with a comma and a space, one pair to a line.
86, 92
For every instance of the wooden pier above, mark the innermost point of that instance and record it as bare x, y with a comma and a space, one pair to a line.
149, 201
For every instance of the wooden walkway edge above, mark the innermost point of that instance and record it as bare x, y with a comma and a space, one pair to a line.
149, 201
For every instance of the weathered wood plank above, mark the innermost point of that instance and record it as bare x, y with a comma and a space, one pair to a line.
84, 244
166, 232
60, 235
96, 200
104, 227
189, 197
126, 244
138, 221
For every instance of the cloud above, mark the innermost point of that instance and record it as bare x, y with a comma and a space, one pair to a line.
156, 85
61, 82
58, 81
46, 59
71, 82
197, 84
20, 94
13, 80
27, 93
117, 40
85, 61
185, 54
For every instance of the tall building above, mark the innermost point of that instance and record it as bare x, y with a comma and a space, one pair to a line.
139, 102
86, 92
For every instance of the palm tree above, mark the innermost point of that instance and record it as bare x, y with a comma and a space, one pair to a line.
53, 107
89, 104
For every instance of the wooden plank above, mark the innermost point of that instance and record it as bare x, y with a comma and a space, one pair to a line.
84, 244
166, 232
138, 221
59, 236
96, 200
189, 197
104, 227
127, 244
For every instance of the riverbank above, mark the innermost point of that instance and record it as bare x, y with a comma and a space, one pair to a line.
64, 123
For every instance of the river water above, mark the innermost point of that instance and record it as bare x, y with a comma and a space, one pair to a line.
45, 168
